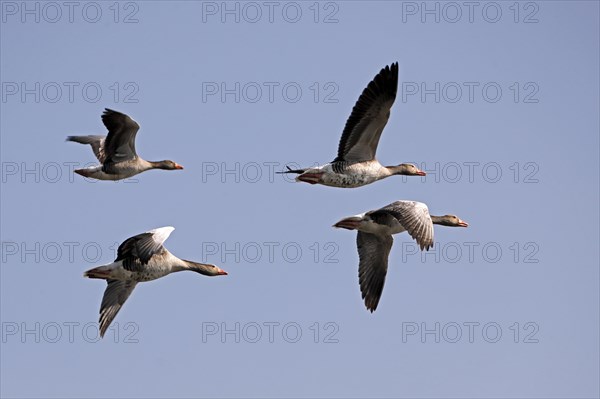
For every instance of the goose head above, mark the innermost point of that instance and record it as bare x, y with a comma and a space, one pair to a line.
406, 169
204, 268
449, 220
166, 165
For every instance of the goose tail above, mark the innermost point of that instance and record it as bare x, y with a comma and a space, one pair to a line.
101, 272
290, 170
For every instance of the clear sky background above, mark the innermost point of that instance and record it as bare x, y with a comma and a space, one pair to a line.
508, 307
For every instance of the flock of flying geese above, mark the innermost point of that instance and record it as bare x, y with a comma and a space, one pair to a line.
144, 258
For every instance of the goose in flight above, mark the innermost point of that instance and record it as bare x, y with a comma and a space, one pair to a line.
140, 258
116, 151
355, 164
374, 239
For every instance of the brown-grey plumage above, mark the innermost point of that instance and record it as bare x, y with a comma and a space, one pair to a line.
140, 258
414, 218
373, 253
96, 141
374, 240
116, 151
115, 295
368, 118
136, 251
120, 141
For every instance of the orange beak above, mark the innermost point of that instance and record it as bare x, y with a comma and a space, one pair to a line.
421, 173
177, 166
350, 223
462, 223
222, 273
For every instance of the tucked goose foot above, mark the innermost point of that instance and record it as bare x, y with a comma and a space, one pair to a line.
312, 178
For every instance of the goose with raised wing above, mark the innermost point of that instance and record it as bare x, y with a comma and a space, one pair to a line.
374, 240
116, 151
140, 258
355, 164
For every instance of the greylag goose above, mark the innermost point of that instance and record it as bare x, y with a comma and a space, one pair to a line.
140, 258
355, 164
374, 239
116, 151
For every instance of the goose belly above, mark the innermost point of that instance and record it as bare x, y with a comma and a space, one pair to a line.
153, 270
150, 272
119, 171
148, 275
96, 172
382, 229
355, 175
346, 180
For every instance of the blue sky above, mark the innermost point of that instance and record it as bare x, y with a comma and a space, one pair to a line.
498, 102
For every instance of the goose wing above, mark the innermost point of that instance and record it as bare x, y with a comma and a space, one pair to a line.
373, 252
115, 295
136, 251
97, 143
368, 118
119, 145
414, 217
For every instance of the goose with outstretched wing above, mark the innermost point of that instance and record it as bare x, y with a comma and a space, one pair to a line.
116, 151
374, 240
140, 258
355, 164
